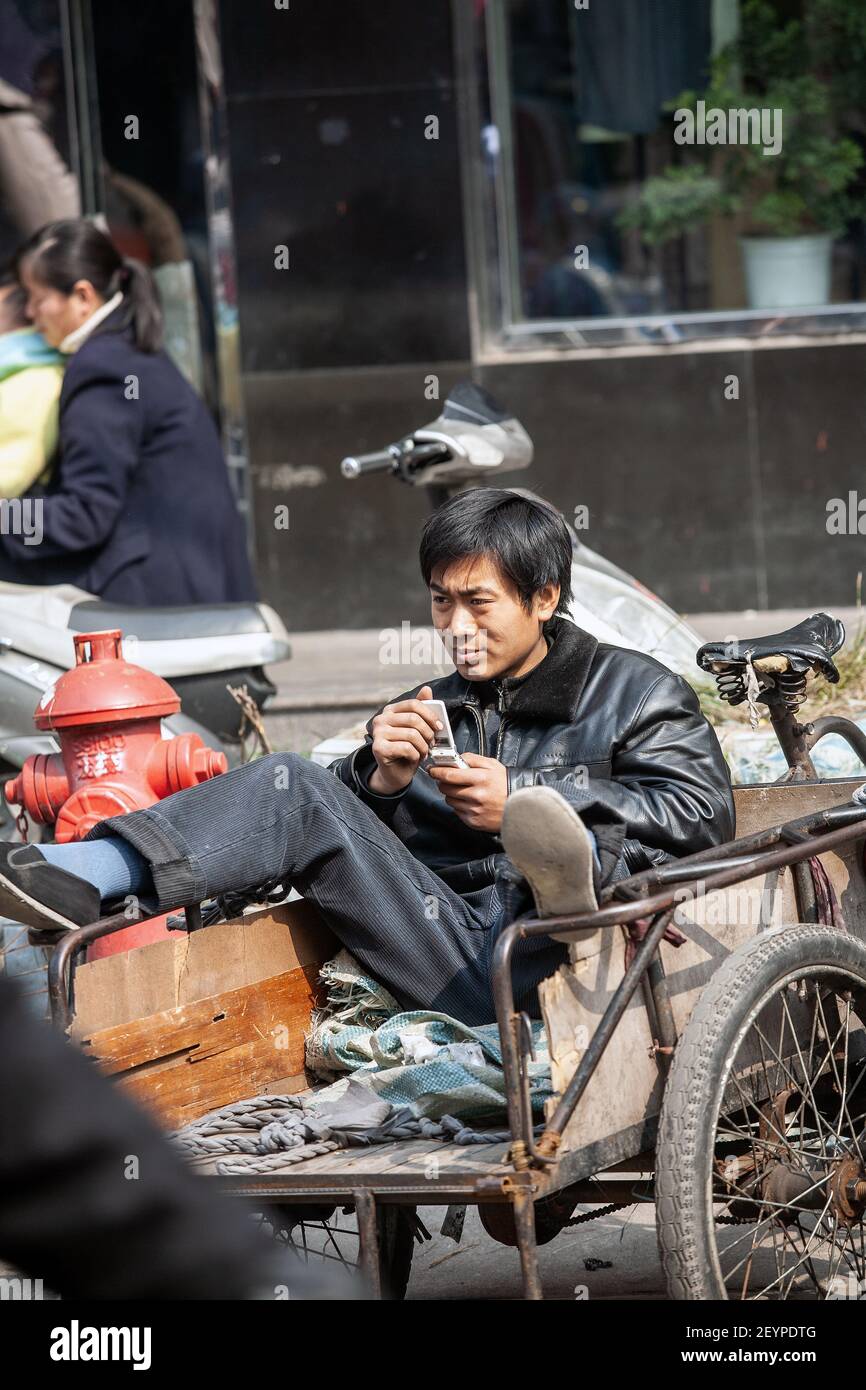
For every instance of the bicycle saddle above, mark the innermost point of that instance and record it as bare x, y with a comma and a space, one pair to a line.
808, 646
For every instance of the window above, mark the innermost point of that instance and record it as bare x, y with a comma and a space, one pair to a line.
657, 171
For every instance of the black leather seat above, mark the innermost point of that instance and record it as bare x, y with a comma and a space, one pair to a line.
809, 645
168, 624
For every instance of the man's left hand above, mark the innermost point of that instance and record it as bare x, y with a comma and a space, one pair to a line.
477, 792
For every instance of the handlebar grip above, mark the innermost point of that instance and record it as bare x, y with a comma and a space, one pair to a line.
382, 461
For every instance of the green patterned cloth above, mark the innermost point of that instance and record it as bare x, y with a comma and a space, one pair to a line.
427, 1061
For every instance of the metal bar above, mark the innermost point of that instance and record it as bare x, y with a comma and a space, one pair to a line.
792, 736
534, 326
845, 728
552, 1136
620, 913
368, 1232
667, 1029
510, 1035
193, 916
804, 891
523, 1207
62, 957
677, 872
812, 823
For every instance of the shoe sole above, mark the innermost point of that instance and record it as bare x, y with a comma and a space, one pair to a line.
548, 842
18, 906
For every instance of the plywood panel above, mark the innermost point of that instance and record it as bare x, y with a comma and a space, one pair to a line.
179, 970
183, 1062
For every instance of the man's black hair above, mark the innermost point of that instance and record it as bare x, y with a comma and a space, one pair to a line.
526, 537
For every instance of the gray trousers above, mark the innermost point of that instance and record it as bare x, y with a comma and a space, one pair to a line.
283, 819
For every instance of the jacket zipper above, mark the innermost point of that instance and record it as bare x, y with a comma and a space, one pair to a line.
499, 707
482, 738
482, 745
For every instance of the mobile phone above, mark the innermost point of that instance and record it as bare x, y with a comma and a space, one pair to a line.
444, 751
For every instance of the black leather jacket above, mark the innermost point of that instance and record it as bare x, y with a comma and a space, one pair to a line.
611, 729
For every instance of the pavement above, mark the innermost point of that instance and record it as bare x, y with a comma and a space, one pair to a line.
620, 1249
336, 679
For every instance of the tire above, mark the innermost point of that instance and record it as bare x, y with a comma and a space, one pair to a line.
724, 1148
331, 1235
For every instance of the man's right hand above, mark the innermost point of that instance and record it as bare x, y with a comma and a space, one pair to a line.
402, 735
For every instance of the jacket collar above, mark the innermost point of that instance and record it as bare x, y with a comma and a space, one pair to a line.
72, 342
551, 691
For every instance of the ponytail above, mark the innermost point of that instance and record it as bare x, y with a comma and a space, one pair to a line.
141, 308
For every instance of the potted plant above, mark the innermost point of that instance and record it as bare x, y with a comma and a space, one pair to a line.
793, 179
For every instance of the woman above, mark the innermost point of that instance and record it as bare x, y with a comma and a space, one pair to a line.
140, 510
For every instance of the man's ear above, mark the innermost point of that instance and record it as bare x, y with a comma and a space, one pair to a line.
546, 600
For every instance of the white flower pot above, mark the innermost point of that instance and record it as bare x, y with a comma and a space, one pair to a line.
784, 272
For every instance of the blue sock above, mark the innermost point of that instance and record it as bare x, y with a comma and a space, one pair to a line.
594, 848
112, 865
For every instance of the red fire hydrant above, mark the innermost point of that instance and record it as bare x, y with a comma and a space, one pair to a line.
113, 758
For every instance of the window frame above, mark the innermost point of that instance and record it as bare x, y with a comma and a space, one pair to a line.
497, 332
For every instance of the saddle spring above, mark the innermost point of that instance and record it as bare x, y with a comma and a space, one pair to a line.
791, 685
792, 688
732, 686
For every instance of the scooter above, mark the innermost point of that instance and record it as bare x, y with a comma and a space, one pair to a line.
199, 650
474, 440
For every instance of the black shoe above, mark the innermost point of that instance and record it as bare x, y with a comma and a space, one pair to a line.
39, 894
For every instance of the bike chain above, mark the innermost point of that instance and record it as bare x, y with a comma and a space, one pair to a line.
621, 1206
594, 1215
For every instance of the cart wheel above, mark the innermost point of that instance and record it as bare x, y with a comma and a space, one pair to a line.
760, 1175
331, 1234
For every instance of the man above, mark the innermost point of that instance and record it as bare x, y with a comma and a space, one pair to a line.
406, 864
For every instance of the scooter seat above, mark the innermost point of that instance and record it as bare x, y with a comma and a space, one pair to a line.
808, 646
40, 621
168, 624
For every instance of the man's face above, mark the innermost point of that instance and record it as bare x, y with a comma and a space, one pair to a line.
487, 631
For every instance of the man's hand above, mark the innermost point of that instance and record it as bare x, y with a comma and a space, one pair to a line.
477, 792
402, 735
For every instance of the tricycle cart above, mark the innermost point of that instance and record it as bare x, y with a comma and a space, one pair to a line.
731, 1066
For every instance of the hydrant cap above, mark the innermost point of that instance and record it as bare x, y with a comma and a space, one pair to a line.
102, 688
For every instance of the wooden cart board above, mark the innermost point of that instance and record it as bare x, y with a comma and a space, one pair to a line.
617, 1113
190, 1024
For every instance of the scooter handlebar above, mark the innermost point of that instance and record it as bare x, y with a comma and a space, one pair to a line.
381, 461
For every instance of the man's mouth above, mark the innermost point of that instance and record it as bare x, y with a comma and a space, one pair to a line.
471, 661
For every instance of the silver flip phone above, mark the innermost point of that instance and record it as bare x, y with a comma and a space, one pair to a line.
444, 752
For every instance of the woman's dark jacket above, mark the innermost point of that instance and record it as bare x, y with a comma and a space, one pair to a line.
140, 510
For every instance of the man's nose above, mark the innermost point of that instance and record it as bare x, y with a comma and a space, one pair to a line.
462, 625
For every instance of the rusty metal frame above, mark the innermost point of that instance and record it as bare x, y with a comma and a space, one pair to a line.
61, 966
